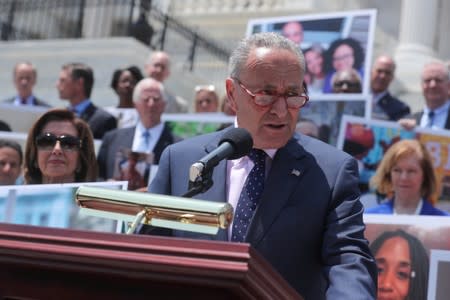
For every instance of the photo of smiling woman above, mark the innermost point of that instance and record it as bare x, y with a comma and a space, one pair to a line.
60, 149
402, 263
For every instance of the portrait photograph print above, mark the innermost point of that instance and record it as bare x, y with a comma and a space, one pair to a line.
368, 141
403, 248
332, 43
134, 167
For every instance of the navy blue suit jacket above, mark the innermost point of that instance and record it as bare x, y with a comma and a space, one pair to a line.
388, 208
308, 224
393, 107
100, 121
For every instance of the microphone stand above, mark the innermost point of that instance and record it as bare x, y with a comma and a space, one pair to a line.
200, 180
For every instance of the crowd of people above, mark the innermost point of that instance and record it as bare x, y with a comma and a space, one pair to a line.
266, 89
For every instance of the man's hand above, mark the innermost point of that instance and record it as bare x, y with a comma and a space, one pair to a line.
408, 124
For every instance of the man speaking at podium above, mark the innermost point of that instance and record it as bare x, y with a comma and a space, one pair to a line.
296, 199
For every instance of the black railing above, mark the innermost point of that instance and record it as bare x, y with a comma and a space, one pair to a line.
54, 19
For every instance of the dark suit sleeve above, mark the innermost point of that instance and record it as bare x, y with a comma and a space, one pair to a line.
102, 156
161, 182
349, 265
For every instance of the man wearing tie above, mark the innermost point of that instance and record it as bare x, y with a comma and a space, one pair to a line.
435, 87
296, 198
25, 76
150, 135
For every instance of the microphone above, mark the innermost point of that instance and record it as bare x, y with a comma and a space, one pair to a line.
234, 144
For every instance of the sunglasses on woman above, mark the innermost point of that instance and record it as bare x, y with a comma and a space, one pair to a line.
47, 141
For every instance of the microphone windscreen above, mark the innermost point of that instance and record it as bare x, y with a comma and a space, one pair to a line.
240, 139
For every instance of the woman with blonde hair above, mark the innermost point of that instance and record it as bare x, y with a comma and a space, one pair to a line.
406, 177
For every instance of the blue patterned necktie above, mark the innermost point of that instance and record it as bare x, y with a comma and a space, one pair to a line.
250, 195
146, 136
430, 118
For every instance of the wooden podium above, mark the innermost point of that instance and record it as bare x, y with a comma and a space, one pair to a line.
50, 263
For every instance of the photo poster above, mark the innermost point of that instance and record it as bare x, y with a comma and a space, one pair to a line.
134, 167
53, 205
320, 31
432, 232
368, 140
188, 125
438, 287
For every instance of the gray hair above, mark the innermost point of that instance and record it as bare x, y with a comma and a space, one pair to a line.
270, 40
145, 83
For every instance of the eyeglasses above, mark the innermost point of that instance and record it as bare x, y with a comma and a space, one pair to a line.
47, 141
209, 88
348, 83
267, 98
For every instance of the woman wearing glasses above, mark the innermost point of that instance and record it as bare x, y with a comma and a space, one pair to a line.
60, 149
402, 264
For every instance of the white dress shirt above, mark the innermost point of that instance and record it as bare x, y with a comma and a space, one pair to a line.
139, 144
439, 119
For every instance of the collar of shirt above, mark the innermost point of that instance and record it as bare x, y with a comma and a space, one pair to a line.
80, 107
28, 101
377, 96
155, 134
440, 116
416, 212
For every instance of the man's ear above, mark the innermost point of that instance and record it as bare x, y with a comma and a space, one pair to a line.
230, 87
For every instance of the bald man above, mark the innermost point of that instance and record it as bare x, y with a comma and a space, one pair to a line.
384, 105
24, 77
158, 68
435, 80
294, 31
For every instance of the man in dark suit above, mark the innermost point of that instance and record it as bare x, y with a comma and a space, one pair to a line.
75, 85
149, 102
307, 221
25, 76
384, 105
435, 86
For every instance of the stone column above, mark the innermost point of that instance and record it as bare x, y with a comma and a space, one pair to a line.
418, 29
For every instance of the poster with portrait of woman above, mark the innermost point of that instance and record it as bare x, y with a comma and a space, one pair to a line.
403, 247
368, 141
332, 43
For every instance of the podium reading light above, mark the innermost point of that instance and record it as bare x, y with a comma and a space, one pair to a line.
154, 209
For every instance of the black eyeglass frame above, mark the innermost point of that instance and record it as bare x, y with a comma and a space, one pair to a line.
47, 141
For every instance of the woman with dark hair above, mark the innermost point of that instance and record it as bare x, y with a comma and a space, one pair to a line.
123, 83
60, 149
402, 263
342, 54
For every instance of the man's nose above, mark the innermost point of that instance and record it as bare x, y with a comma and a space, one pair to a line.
280, 106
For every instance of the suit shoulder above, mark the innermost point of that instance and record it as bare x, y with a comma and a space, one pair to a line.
320, 149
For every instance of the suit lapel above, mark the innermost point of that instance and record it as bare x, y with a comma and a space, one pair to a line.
286, 171
447, 122
88, 112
